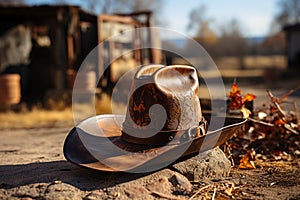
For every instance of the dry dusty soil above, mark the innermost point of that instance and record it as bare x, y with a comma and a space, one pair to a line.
32, 166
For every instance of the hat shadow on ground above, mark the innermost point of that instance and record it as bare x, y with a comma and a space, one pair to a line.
47, 172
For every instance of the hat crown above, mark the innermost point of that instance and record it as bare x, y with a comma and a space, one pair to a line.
174, 89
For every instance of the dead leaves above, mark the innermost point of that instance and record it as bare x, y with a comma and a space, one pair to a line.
272, 129
238, 101
245, 112
247, 161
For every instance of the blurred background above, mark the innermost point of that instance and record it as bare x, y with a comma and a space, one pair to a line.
43, 44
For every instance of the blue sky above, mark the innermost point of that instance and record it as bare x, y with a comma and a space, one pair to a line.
255, 16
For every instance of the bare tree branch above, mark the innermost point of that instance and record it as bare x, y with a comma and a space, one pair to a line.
289, 12
11, 2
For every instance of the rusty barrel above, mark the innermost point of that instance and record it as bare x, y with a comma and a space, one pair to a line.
10, 89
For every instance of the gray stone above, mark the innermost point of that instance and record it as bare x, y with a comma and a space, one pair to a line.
181, 182
211, 164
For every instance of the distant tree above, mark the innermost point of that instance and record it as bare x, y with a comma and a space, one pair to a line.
119, 6
229, 41
200, 26
273, 44
289, 12
138, 5
232, 41
93, 6
11, 2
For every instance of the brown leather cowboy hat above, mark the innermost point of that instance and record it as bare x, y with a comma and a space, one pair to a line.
163, 123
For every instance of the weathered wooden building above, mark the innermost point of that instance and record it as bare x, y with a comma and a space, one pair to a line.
293, 45
47, 44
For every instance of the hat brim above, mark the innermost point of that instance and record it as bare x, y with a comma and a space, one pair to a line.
96, 143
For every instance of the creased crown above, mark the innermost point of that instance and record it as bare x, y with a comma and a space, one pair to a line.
162, 99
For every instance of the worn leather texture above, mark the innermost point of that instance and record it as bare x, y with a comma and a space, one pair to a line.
175, 89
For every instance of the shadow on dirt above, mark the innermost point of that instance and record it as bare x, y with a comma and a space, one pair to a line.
46, 172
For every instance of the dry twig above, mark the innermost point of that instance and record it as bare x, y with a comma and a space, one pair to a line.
275, 102
261, 122
292, 91
200, 189
162, 195
214, 194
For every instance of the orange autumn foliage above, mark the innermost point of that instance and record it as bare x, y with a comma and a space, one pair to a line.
237, 100
247, 161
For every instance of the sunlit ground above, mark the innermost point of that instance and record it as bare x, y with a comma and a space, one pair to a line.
35, 118
62, 115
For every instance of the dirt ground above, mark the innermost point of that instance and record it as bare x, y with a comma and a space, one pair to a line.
32, 166
32, 161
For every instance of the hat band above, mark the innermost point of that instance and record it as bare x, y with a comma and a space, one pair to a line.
170, 137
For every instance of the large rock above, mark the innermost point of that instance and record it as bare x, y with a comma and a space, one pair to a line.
211, 164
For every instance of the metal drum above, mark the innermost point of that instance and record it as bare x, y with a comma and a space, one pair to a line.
10, 89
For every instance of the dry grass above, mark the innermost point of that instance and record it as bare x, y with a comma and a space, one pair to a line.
56, 117
35, 118
252, 62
